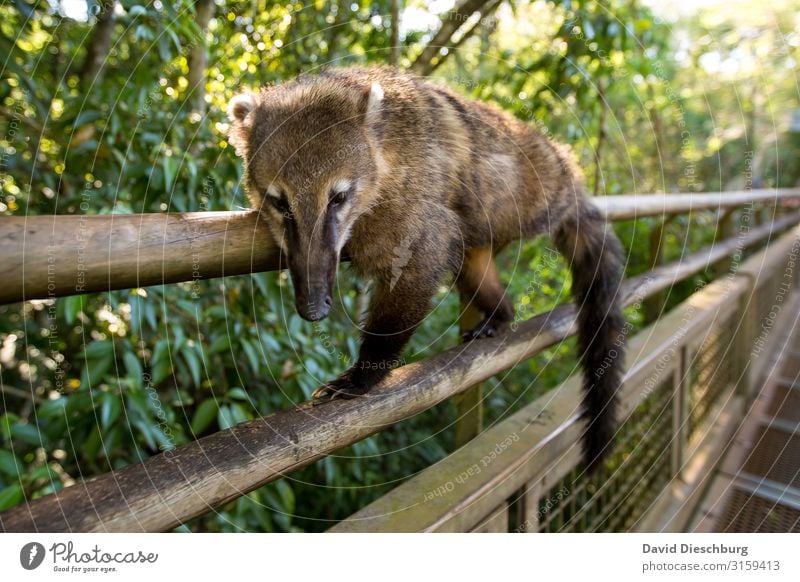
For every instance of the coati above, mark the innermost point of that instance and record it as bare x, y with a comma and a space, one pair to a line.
373, 162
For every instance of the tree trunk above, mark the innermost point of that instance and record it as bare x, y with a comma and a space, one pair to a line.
394, 40
332, 32
666, 166
198, 59
601, 137
99, 45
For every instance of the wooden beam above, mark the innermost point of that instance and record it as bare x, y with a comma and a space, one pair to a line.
175, 486
54, 256
628, 206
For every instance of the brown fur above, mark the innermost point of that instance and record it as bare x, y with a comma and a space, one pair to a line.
443, 183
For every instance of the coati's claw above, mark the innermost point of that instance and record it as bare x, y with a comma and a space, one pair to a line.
343, 387
486, 328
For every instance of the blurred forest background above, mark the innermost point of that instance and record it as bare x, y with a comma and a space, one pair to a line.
118, 106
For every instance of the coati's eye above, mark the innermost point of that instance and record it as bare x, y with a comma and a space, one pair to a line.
338, 198
280, 204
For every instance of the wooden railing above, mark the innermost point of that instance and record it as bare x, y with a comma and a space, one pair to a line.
503, 478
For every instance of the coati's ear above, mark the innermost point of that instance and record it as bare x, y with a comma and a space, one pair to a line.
372, 99
239, 109
241, 106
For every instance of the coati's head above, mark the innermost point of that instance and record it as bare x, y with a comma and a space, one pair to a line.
311, 171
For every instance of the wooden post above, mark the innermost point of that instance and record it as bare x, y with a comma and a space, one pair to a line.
681, 386
654, 305
469, 404
745, 335
724, 230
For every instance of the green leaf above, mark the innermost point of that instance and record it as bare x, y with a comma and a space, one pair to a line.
220, 344
97, 350
52, 408
95, 371
9, 463
286, 494
161, 370
164, 49
10, 496
225, 418
43, 472
238, 413
134, 368
252, 355
204, 415
146, 431
91, 445
238, 394
27, 433
193, 361
72, 307
110, 409
170, 166
86, 116
271, 343
137, 10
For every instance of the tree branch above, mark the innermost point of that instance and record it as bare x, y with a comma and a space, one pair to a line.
488, 9
451, 23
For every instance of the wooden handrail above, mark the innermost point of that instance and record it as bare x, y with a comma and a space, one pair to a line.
54, 256
175, 486
630, 206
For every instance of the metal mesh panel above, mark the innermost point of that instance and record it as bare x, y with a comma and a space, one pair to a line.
748, 513
785, 404
711, 372
622, 490
765, 297
790, 368
776, 456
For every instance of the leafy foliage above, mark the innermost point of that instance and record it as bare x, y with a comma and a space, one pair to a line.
93, 383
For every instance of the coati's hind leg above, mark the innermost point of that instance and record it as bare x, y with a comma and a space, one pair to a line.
479, 283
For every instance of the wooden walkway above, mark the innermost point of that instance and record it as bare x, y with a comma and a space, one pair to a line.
757, 487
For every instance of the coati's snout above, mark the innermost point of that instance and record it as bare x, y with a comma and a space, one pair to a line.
313, 259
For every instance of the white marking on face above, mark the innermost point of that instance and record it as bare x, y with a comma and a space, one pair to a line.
342, 211
375, 95
342, 186
273, 191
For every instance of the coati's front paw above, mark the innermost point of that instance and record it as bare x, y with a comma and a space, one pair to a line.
341, 387
488, 327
